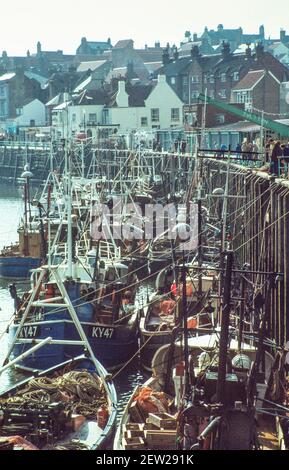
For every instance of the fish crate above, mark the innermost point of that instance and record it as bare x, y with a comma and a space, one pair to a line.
135, 413
162, 420
150, 427
134, 430
133, 443
161, 438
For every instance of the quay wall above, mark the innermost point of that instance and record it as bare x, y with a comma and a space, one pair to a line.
258, 217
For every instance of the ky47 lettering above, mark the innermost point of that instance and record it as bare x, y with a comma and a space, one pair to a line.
102, 332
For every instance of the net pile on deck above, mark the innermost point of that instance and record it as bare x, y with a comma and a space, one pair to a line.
81, 391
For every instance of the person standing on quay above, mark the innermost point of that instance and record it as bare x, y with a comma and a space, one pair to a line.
277, 152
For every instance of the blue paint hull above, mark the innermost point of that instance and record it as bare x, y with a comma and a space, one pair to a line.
112, 345
112, 353
17, 266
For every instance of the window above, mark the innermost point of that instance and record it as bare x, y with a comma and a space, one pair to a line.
220, 118
195, 95
212, 79
155, 114
195, 78
223, 93
105, 118
175, 114
144, 121
185, 80
223, 77
236, 76
173, 80
155, 127
205, 79
19, 111
2, 91
92, 117
212, 93
243, 97
73, 117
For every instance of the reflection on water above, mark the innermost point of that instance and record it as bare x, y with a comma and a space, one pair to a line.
11, 210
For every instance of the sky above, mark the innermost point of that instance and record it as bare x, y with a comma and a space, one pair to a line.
60, 24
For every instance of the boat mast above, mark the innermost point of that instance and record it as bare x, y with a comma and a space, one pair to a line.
68, 211
185, 326
225, 322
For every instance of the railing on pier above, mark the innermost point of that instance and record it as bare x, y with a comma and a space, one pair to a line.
259, 222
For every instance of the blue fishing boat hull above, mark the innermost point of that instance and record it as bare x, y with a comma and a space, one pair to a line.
111, 352
17, 266
112, 344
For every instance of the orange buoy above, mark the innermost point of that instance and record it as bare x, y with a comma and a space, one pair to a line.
192, 322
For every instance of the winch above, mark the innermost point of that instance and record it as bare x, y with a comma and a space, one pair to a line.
42, 424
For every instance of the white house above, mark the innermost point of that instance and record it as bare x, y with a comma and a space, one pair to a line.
31, 114
133, 106
146, 107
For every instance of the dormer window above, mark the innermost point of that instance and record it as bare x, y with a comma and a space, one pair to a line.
236, 76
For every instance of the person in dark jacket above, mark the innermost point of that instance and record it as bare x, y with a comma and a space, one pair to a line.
238, 150
277, 152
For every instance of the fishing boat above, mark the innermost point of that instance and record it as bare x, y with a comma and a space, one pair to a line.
107, 314
19, 259
162, 313
151, 418
71, 406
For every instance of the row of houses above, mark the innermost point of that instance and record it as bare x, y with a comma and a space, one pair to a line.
121, 89
210, 41
128, 108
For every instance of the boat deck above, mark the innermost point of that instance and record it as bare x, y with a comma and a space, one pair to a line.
268, 438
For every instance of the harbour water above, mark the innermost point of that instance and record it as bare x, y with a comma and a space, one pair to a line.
11, 210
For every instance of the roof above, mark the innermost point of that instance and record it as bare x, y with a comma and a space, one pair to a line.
55, 101
243, 126
7, 76
275, 45
62, 106
91, 97
150, 55
137, 94
153, 66
188, 45
250, 80
90, 65
38, 78
97, 43
176, 67
123, 44
83, 84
